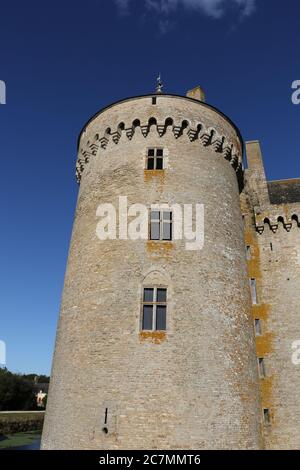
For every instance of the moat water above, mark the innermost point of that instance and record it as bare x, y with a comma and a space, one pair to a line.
36, 445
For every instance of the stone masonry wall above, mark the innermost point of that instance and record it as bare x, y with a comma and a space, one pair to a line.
274, 237
196, 385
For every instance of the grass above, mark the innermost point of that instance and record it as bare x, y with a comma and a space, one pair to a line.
19, 439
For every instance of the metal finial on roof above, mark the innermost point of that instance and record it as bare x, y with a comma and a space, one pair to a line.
159, 85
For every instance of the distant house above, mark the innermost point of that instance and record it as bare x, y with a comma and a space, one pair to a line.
41, 390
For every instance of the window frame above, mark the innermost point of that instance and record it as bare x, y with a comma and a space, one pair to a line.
266, 416
155, 157
161, 223
253, 290
154, 304
257, 327
261, 367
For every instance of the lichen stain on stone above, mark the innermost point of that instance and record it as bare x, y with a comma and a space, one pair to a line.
162, 249
286, 211
253, 263
156, 176
155, 337
261, 311
266, 385
150, 174
264, 344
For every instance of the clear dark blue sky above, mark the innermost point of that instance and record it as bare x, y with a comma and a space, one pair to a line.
62, 61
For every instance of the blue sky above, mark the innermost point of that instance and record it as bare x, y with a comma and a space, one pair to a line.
62, 62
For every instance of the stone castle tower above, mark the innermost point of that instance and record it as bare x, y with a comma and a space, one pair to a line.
271, 211
160, 347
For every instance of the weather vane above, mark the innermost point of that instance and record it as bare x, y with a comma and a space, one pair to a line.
159, 85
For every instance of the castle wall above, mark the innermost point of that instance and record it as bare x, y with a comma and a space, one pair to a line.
273, 233
194, 386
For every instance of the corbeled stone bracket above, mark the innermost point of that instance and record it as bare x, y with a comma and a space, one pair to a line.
201, 131
273, 218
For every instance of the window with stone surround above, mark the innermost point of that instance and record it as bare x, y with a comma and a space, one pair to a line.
257, 327
154, 310
261, 367
160, 225
248, 253
155, 159
266, 416
253, 289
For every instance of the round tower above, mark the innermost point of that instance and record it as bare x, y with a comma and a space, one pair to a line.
155, 346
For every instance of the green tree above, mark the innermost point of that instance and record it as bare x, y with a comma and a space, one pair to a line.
16, 393
43, 379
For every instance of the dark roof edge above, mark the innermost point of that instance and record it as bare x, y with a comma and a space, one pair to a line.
161, 96
287, 180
